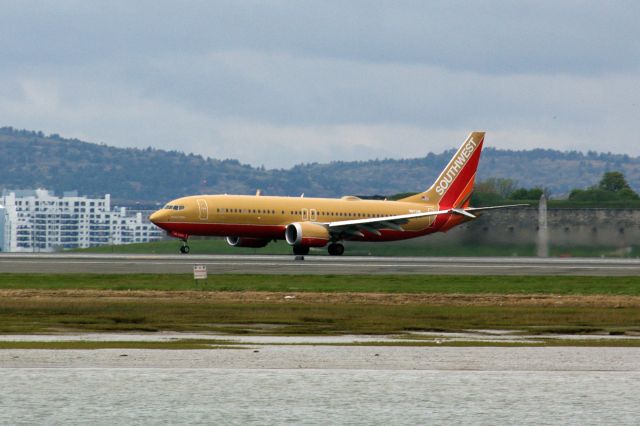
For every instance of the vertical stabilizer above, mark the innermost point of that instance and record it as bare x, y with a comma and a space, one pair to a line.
452, 189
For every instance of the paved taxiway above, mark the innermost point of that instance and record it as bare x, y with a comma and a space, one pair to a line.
259, 264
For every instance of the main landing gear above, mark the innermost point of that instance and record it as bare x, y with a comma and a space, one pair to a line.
185, 247
300, 250
335, 249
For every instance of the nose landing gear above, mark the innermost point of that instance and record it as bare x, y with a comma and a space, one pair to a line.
185, 247
335, 249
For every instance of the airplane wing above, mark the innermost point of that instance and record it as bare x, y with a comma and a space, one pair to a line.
373, 224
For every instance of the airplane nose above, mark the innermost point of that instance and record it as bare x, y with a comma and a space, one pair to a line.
155, 217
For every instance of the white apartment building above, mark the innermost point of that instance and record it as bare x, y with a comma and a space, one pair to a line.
36, 220
4, 229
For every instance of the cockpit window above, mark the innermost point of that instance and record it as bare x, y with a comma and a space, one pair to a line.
173, 207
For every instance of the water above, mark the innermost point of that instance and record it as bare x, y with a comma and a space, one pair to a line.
327, 396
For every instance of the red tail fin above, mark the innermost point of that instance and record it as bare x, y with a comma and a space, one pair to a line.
454, 185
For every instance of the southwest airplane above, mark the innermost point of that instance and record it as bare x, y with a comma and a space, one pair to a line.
254, 221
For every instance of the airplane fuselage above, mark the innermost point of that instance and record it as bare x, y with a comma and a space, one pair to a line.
268, 217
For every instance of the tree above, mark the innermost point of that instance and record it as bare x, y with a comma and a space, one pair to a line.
612, 187
628, 194
526, 194
499, 186
592, 195
614, 182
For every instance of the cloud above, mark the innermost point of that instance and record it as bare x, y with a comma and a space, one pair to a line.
280, 83
496, 36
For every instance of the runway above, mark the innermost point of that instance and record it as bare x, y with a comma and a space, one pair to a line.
317, 265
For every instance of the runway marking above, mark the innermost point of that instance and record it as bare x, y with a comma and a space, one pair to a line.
342, 264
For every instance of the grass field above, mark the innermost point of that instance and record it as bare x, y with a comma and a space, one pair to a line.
561, 285
50, 303
46, 314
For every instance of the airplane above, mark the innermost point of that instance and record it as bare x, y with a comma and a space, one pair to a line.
256, 220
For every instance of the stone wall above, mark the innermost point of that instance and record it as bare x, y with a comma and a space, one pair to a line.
567, 227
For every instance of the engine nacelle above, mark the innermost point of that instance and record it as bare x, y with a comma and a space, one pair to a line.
247, 242
307, 234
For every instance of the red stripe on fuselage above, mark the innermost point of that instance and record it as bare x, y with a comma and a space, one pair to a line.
277, 231
225, 229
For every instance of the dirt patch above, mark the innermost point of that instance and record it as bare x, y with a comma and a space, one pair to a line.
337, 298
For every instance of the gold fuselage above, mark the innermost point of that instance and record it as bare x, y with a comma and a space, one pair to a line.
267, 217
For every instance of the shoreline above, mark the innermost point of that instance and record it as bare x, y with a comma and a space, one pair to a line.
310, 357
359, 352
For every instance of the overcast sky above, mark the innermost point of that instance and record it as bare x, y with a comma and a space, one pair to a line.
277, 83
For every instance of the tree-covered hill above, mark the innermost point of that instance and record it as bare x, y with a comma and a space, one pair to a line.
32, 159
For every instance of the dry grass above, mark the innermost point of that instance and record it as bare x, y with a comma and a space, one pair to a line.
306, 313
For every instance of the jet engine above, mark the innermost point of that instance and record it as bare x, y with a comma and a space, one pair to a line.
247, 242
306, 234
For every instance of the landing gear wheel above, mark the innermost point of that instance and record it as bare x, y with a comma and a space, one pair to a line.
185, 249
300, 251
335, 249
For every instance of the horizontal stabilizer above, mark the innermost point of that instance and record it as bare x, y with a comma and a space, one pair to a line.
479, 209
